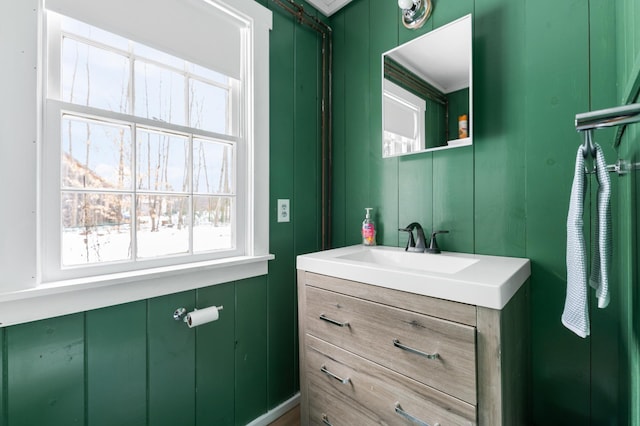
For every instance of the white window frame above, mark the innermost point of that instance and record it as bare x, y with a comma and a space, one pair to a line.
26, 294
54, 111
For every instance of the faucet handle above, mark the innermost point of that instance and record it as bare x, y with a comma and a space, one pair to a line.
411, 242
433, 245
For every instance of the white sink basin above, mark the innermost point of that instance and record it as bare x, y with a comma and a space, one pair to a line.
390, 256
488, 281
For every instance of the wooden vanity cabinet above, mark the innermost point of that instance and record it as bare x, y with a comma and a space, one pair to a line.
370, 355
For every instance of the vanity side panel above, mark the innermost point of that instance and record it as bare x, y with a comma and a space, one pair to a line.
516, 361
440, 308
503, 362
489, 368
302, 311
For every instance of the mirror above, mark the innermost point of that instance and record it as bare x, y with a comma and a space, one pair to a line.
427, 92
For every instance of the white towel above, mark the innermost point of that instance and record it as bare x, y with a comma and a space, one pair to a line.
602, 238
576, 311
576, 315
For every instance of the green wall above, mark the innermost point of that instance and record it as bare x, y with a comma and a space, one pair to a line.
628, 244
536, 65
133, 364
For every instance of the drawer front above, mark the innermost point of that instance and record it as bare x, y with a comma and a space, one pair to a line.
439, 308
436, 352
390, 398
332, 409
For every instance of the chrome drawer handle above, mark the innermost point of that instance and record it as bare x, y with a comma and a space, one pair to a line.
409, 417
397, 344
338, 378
323, 317
325, 420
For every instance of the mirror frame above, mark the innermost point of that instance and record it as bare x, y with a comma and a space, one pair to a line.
431, 89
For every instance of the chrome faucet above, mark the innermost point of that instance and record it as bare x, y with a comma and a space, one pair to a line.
418, 245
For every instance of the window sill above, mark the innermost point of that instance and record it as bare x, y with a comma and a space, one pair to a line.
66, 297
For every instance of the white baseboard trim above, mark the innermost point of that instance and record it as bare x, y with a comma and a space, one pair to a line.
272, 415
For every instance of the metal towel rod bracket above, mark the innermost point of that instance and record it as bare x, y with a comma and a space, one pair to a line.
609, 117
621, 167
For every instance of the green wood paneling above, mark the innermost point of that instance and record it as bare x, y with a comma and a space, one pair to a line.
443, 14
628, 245
45, 372
383, 172
116, 365
251, 349
215, 354
499, 89
627, 44
632, 319
307, 166
415, 192
604, 344
453, 198
458, 105
561, 360
281, 282
339, 124
171, 362
357, 114
295, 166
307, 160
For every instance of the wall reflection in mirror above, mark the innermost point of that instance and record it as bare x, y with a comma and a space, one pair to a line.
427, 92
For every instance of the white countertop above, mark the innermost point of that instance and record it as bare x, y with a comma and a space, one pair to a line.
481, 280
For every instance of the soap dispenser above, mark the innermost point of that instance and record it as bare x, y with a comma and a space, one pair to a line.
368, 229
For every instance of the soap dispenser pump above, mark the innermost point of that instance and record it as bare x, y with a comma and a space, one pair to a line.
368, 229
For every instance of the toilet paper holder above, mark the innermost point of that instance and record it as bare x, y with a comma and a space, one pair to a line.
180, 314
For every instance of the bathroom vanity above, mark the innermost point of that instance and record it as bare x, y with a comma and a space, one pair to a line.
390, 337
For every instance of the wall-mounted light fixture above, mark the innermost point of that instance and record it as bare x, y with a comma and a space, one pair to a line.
415, 12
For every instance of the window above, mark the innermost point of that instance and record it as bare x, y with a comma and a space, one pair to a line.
403, 121
229, 37
146, 144
149, 150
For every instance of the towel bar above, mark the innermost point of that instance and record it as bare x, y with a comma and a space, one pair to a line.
619, 117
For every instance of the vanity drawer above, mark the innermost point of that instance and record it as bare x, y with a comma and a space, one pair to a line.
350, 386
330, 408
439, 308
433, 351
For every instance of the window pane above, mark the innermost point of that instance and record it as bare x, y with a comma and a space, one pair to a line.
95, 154
94, 77
163, 225
159, 93
208, 74
70, 25
212, 223
162, 161
209, 107
95, 227
212, 167
158, 56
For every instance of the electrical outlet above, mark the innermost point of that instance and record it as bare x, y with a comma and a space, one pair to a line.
283, 211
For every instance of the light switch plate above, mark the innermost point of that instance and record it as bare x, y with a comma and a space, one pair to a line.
284, 214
